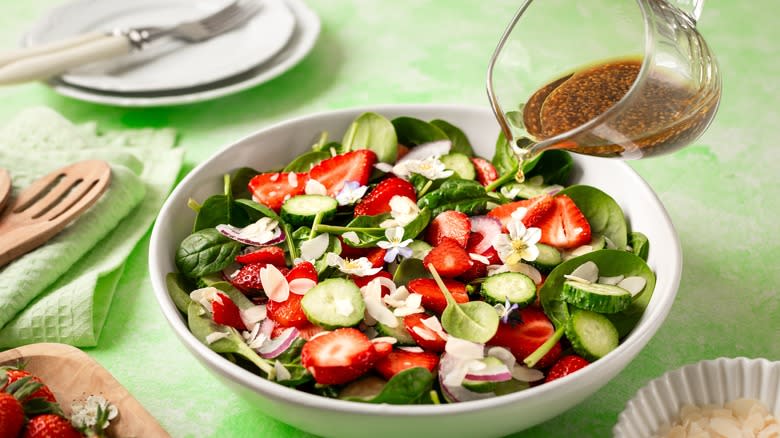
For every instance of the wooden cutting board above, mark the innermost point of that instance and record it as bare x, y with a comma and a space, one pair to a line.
72, 376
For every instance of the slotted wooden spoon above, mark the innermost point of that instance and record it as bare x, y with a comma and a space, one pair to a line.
48, 205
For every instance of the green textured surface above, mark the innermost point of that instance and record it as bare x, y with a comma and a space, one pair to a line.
721, 192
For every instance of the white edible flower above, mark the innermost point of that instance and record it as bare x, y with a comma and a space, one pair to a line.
519, 244
314, 248
351, 193
360, 267
395, 245
314, 187
85, 415
402, 210
429, 167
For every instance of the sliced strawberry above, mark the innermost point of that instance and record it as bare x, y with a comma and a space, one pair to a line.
287, 313
400, 360
333, 172
566, 227
432, 297
450, 223
565, 366
272, 189
422, 334
13, 374
449, 258
305, 332
226, 312
486, 173
264, 254
382, 349
375, 255
538, 210
339, 356
302, 270
524, 337
377, 201
247, 279
362, 281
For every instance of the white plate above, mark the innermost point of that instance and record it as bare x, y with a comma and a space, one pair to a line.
302, 41
166, 64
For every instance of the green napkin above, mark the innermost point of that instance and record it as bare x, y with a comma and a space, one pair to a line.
61, 291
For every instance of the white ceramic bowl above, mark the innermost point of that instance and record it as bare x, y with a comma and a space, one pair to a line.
707, 382
273, 147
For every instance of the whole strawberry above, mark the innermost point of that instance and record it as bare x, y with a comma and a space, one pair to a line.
50, 426
11, 416
12, 374
565, 366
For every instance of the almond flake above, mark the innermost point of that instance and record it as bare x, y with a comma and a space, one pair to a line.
587, 271
633, 284
411, 349
525, 374
216, 336
275, 177
479, 258
274, 284
281, 372
611, 280
434, 324
314, 248
253, 315
385, 339
424, 334
292, 179
463, 349
351, 237
322, 333
314, 187
301, 285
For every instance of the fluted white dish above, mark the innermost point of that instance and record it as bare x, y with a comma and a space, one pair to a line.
716, 382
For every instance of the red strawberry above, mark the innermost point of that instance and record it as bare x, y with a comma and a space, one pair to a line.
524, 337
450, 223
339, 356
14, 374
302, 270
287, 313
402, 151
449, 258
486, 173
50, 426
422, 335
226, 312
272, 189
565, 366
265, 254
432, 297
11, 416
566, 227
377, 201
247, 279
362, 281
374, 255
305, 332
538, 210
351, 166
400, 360
382, 349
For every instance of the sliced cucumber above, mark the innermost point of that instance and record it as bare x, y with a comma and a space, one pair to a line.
461, 164
513, 286
597, 297
549, 257
300, 210
398, 332
492, 365
591, 334
334, 303
420, 249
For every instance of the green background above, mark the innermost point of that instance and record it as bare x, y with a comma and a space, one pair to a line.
721, 192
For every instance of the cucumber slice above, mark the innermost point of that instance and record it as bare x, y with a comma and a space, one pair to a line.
461, 164
513, 286
300, 210
398, 332
597, 297
493, 365
549, 257
334, 303
420, 249
591, 334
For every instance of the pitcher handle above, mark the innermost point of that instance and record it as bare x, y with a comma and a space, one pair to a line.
692, 8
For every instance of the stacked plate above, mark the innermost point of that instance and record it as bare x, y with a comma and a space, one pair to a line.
172, 72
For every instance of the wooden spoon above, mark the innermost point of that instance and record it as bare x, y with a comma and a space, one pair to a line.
48, 205
5, 188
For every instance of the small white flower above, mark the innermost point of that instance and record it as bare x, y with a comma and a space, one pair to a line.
519, 244
395, 245
314, 187
86, 415
351, 193
402, 210
360, 267
429, 167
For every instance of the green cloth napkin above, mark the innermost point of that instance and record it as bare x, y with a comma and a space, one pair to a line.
61, 292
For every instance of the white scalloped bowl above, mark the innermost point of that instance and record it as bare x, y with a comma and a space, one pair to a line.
716, 382
275, 146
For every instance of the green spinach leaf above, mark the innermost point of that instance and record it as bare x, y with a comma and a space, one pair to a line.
639, 244
255, 211
239, 182
463, 195
604, 214
412, 132
304, 162
415, 227
554, 166
460, 143
204, 252
177, 289
408, 270
406, 387
372, 131
475, 321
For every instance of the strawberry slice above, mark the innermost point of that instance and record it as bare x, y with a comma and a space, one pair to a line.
333, 172
302, 270
377, 201
566, 227
272, 189
486, 173
339, 356
538, 210
524, 337
247, 279
450, 223
422, 334
432, 297
264, 254
400, 360
375, 255
382, 349
225, 312
565, 366
449, 258
362, 281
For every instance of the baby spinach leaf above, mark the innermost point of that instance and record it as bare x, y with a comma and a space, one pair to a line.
602, 212
372, 131
220, 209
504, 160
304, 162
463, 195
408, 270
239, 182
204, 252
415, 227
475, 321
413, 132
176, 284
554, 166
460, 143
611, 262
406, 387
639, 244
255, 210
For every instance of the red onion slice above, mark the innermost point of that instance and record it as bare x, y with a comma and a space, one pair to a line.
496, 373
234, 233
279, 344
488, 227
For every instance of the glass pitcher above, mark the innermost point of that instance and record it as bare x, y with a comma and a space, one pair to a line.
610, 78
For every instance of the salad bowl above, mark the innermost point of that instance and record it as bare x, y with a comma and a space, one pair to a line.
273, 147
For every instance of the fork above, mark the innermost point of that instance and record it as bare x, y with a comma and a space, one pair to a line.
41, 62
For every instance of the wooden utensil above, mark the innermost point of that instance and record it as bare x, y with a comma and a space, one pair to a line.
48, 205
5, 188
73, 376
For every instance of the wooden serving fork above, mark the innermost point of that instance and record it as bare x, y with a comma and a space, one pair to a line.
48, 205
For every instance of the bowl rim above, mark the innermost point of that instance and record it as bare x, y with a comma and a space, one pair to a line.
650, 321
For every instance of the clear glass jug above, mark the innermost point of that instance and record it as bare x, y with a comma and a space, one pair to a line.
610, 78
